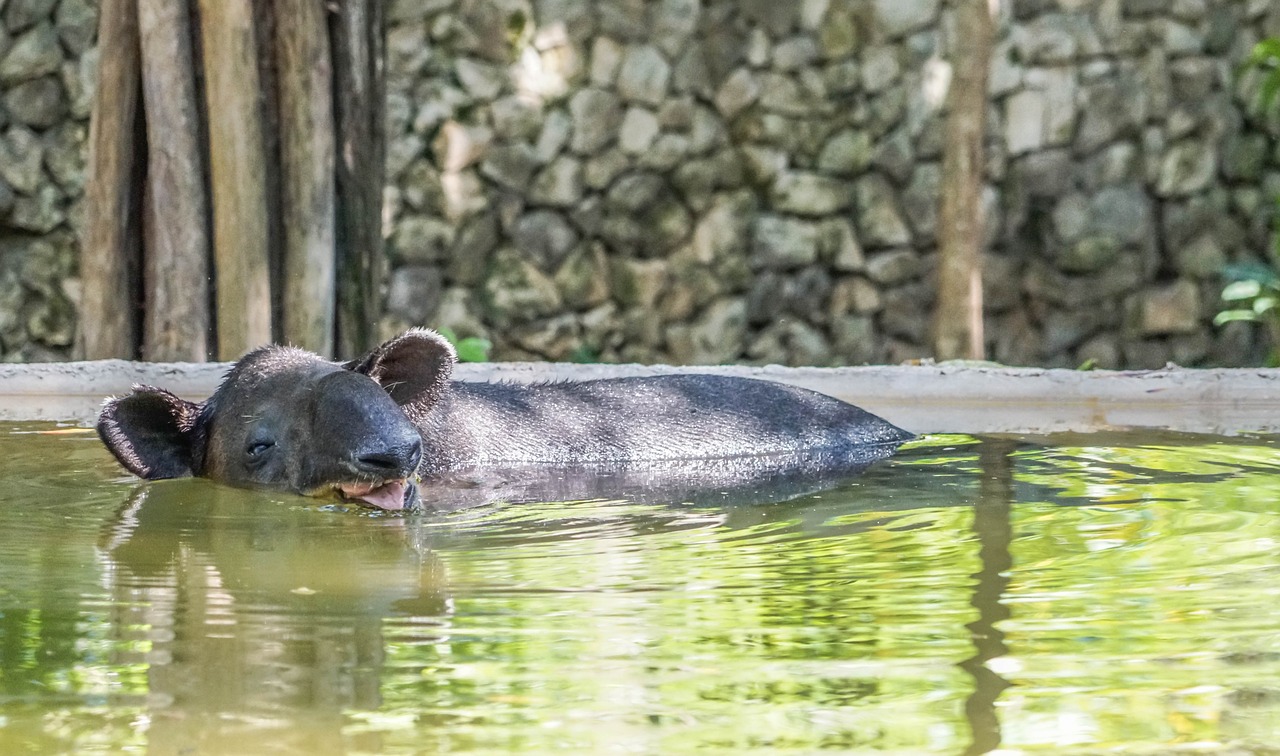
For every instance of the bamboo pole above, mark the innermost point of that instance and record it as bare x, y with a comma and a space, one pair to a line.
110, 247
176, 267
357, 35
236, 168
306, 131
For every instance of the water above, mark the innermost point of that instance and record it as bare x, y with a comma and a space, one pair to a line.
1075, 595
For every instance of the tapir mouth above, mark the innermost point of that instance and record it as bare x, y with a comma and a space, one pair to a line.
391, 495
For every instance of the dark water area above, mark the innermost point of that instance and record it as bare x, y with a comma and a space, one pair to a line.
1068, 595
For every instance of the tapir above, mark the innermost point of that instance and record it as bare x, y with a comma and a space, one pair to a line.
371, 429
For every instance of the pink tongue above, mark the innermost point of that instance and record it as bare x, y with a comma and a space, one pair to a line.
387, 496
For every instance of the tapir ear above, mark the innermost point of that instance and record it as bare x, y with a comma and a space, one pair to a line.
150, 432
414, 368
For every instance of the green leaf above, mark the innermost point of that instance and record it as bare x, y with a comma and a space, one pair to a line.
448, 335
1234, 292
473, 349
1262, 304
1230, 316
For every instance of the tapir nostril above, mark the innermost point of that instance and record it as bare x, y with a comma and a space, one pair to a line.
399, 461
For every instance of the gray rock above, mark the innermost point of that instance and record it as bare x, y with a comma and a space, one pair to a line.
853, 340
456, 145
853, 295
77, 25
637, 283
481, 80
21, 156
1117, 108
920, 200
606, 58
517, 292
601, 170
737, 92
722, 229
1187, 167
906, 313
780, 93
772, 17
41, 213
1202, 258
893, 156
635, 192
878, 217
469, 255
38, 103
1171, 309
34, 54
544, 236
1089, 254
846, 153
893, 266
515, 118
839, 247
65, 155
809, 194
669, 151
880, 68
559, 184
583, 279
510, 165
20, 14
644, 75
674, 21
79, 80
638, 131
839, 36
1246, 154
780, 242
596, 114
795, 53
716, 337
419, 240
414, 293
401, 152
898, 17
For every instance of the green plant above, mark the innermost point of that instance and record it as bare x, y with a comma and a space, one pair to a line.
1253, 294
470, 349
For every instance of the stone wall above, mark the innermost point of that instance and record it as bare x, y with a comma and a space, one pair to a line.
701, 181
47, 68
752, 180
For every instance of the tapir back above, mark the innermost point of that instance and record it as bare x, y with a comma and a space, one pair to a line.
642, 420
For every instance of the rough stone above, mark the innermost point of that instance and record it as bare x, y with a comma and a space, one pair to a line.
839, 246
898, 17
517, 292
510, 165
559, 184
34, 54
457, 146
1171, 309
853, 340
414, 293
853, 295
583, 279
1188, 167
597, 114
638, 131
21, 156
780, 242
544, 236
41, 213
21, 14
38, 103
716, 337
77, 25
469, 256
809, 194
644, 75
921, 198
738, 92
880, 68
420, 240
637, 283
893, 266
846, 153
879, 220
606, 58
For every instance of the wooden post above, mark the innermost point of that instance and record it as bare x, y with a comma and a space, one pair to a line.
176, 323
957, 324
236, 166
110, 247
359, 82
304, 74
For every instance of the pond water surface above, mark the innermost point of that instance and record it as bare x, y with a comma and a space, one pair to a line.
1095, 594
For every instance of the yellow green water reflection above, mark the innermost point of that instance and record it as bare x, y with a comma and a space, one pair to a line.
1079, 595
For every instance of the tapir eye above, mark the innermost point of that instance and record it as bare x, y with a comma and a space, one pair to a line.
257, 449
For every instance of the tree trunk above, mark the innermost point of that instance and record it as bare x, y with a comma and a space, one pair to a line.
176, 323
307, 173
237, 162
957, 325
110, 247
357, 35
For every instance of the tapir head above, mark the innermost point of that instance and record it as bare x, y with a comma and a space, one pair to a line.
287, 419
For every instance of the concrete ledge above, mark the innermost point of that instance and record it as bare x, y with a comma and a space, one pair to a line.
924, 399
